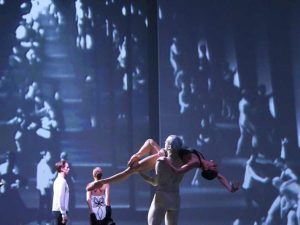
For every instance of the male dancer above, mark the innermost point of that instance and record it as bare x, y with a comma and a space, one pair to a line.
166, 200
60, 205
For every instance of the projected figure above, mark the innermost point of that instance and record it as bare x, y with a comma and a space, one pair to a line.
166, 200
263, 100
44, 181
121, 79
184, 98
60, 204
122, 57
229, 93
116, 39
266, 136
204, 68
174, 55
83, 19
43, 124
204, 139
98, 201
254, 192
9, 194
91, 91
18, 122
247, 128
33, 90
288, 176
177, 61
257, 131
290, 198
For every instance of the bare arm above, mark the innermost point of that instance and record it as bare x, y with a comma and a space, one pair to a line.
12, 121
284, 206
256, 177
154, 181
291, 175
148, 179
88, 200
228, 185
93, 185
191, 163
107, 194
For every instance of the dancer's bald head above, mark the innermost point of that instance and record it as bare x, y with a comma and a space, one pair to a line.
173, 142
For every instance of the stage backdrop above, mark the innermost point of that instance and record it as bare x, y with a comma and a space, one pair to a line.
91, 81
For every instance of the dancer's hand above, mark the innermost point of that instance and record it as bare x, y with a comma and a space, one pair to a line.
165, 160
64, 219
235, 186
133, 159
162, 159
162, 152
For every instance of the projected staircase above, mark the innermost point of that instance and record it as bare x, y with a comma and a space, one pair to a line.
78, 138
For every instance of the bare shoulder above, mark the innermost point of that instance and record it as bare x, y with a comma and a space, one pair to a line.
192, 160
89, 184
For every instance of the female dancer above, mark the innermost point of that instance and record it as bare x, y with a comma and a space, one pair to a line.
194, 159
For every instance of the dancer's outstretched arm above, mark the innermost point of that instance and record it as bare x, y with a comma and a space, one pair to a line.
231, 187
184, 168
207, 165
148, 179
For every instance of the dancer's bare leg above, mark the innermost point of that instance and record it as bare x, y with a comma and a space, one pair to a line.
156, 213
171, 217
149, 147
136, 164
143, 165
123, 175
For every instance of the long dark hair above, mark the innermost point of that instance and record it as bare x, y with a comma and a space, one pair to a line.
183, 152
206, 174
209, 174
186, 150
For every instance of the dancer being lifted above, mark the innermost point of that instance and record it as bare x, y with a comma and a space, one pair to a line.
135, 164
194, 159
